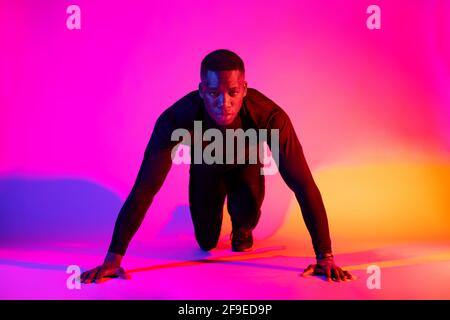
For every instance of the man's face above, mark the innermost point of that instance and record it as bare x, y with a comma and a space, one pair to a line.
223, 92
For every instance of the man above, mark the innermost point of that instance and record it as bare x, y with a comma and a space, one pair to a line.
222, 102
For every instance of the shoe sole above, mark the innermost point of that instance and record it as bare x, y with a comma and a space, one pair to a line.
242, 250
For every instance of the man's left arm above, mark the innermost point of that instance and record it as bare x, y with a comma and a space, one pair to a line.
296, 173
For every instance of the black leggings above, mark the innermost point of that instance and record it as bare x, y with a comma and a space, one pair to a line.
243, 185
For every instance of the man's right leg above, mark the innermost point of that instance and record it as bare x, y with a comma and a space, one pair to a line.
206, 199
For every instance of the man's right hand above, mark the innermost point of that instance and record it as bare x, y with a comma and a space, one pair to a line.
109, 269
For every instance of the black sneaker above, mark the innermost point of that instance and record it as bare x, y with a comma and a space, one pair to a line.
241, 241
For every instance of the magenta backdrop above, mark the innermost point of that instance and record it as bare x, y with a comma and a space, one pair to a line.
77, 107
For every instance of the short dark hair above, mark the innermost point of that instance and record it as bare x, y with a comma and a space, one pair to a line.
221, 60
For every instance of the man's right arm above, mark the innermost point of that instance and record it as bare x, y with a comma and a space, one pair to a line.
152, 173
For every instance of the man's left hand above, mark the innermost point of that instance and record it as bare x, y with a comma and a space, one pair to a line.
326, 267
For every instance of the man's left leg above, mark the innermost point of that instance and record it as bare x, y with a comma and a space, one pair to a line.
245, 194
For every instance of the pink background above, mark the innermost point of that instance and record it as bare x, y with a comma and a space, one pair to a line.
77, 107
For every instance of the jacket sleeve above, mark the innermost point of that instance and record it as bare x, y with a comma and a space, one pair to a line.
154, 168
295, 172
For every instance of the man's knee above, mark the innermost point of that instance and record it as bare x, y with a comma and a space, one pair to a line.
206, 244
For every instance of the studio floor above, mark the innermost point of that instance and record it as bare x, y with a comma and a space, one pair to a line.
271, 271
